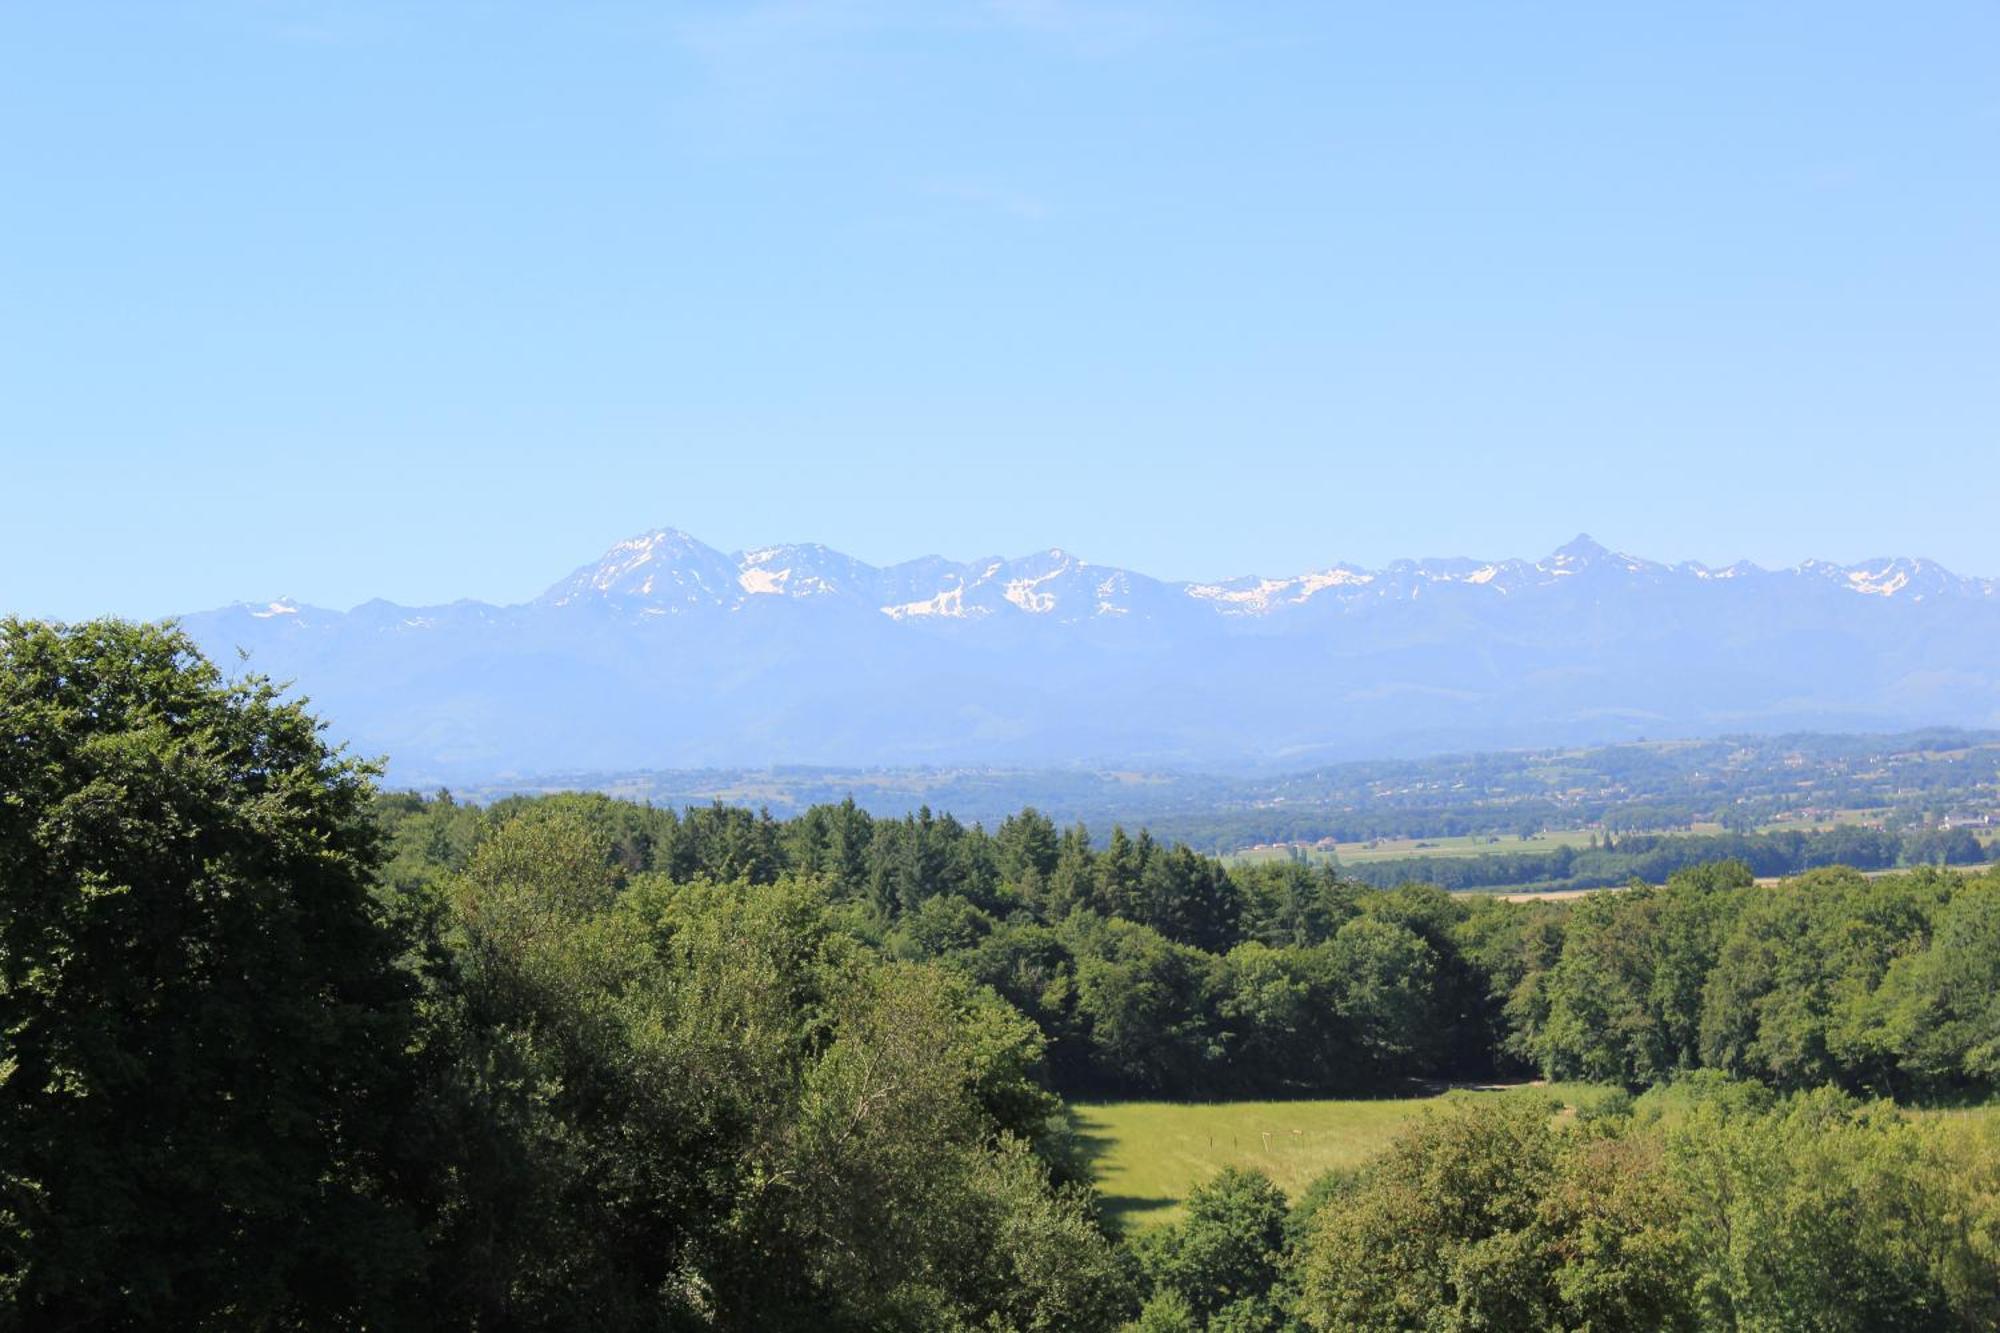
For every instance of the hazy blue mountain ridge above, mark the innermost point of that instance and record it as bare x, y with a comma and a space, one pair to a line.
668, 653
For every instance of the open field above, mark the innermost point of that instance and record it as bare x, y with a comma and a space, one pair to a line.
1403, 849
1483, 844
1397, 849
1542, 895
1148, 1155
1986, 1115
1568, 895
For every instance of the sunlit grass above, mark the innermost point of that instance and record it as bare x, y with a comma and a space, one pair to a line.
1148, 1155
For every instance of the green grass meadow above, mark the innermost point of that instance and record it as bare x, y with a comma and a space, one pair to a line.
1147, 1155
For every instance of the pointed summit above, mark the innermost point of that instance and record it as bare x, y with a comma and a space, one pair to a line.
1579, 550
665, 568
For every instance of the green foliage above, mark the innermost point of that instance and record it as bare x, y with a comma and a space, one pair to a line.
1622, 1002
1167, 1312
1823, 1213
201, 1022
1880, 984
1789, 999
1938, 1007
1225, 1255
583, 1143
1484, 1216
716, 1110
1146, 969
557, 1075
1153, 971
1712, 1205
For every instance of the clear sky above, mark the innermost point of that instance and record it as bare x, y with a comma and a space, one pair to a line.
431, 300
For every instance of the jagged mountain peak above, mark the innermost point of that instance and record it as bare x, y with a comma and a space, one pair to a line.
657, 542
664, 567
1584, 552
1890, 576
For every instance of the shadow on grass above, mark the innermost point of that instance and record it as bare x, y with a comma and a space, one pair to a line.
1087, 1149
1125, 1211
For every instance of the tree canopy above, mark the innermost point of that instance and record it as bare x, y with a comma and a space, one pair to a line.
200, 1086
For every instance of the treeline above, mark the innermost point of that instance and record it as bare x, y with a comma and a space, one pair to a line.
1711, 1205
1652, 858
1153, 970
1146, 969
1888, 985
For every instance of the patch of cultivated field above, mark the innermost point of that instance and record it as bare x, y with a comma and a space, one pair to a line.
1148, 1155
1398, 849
1987, 1115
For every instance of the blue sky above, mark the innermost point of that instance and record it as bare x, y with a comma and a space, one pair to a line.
422, 301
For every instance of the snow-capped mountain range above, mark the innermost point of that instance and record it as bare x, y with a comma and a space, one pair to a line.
669, 653
667, 572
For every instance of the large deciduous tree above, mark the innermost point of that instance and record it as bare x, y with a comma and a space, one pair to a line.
202, 1024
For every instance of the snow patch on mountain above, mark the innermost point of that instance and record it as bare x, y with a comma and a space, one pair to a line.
1026, 594
1253, 596
1887, 583
1338, 577
950, 603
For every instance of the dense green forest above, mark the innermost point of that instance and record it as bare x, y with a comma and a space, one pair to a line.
1153, 970
281, 1050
